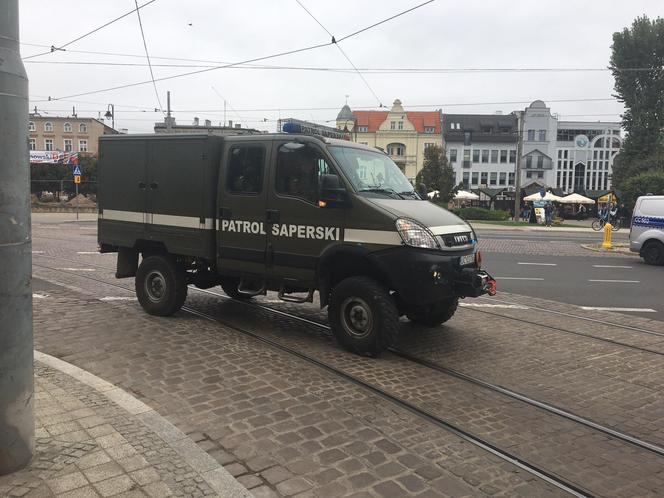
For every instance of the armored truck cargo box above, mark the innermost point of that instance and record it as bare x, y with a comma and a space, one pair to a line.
159, 190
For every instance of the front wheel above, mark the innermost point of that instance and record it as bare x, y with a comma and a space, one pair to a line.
597, 225
363, 316
161, 285
436, 314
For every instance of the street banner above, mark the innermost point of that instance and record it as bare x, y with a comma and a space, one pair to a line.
53, 157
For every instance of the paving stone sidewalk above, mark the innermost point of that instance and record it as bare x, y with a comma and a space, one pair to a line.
87, 445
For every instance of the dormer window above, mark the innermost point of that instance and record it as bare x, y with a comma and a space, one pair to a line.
363, 129
31, 126
48, 126
67, 127
429, 129
83, 128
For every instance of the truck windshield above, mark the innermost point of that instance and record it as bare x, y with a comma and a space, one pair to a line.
373, 173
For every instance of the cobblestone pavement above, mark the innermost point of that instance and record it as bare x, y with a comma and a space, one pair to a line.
543, 247
88, 446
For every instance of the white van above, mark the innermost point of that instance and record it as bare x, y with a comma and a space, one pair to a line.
647, 234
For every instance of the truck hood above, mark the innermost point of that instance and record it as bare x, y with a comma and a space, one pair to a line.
440, 221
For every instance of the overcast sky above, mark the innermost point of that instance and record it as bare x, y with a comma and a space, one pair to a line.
440, 35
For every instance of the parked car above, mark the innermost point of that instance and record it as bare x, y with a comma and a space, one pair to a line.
647, 233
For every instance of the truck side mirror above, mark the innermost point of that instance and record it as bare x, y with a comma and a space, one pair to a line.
332, 192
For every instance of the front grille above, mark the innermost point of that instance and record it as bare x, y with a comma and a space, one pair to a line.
454, 240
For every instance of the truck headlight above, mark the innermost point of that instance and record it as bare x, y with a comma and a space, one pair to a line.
414, 234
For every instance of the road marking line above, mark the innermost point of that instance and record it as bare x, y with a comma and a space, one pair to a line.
87, 252
39, 296
117, 298
608, 308
615, 281
611, 266
76, 269
482, 305
518, 278
538, 264
37, 252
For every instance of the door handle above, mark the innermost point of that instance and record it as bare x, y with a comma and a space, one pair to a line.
154, 186
141, 185
272, 216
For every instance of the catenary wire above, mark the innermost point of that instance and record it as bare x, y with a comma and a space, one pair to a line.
61, 47
147, 56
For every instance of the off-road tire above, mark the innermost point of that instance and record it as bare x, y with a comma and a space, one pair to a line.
161, 285
653, 253
230, 287
436, 314
384, 323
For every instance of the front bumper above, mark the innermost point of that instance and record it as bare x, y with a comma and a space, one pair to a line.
422, 277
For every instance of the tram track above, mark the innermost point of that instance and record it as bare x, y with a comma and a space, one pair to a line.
559, 482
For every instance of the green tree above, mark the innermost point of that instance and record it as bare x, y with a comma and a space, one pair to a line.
637, 64
649, 182
437, 174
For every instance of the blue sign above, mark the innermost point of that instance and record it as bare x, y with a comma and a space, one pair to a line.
77, 170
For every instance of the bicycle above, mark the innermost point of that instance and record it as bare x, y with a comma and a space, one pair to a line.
599, 223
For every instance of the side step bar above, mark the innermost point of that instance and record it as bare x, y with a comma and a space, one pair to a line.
309, 298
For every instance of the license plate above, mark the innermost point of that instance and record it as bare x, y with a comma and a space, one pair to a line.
468, 259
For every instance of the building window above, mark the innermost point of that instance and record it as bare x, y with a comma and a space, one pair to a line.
510, 180
542, 135
396, 149
540, 175
486, 129
83, 145
513, 156
429, 129
560, 154
363, 143
31, 126
401, 125
502, 179
467, 137
363, 129
453, 155
82, 128
529, 162
67, 127
48, 126
494, 178
466, 155
529, 174
68, 144
531, 135
503, 156
494, 156
428, 144
393, 125
33, 144
485, 155
476, 155
476, 178
540, 162
484, 178
466, 179
48, 144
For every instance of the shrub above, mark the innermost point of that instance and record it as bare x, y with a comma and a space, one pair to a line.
473, 213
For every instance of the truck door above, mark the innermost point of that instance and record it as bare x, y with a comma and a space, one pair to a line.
298, 229
242, 200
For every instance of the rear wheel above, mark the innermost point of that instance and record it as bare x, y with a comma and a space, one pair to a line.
436, 314
653, 253
363, 316
230, 286
597, 225
161, 285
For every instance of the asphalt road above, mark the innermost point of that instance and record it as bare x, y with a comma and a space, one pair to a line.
625, 284
554, 234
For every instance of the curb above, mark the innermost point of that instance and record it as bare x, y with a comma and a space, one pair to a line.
627, 253
218, 478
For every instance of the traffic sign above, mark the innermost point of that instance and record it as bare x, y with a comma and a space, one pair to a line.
77, 178
77, 170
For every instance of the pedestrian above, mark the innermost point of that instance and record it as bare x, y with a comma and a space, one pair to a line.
548, 211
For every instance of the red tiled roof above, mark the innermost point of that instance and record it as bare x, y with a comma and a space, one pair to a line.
373, 119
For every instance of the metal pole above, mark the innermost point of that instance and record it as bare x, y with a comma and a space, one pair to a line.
76, 201
517, 176
17, 428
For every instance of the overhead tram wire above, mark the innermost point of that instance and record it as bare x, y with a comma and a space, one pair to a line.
272, 56
147, 56
380, 104
61, 47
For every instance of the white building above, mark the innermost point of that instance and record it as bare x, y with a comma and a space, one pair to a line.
573, 156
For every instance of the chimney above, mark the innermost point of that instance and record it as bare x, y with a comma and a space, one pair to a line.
195, 121
208, 123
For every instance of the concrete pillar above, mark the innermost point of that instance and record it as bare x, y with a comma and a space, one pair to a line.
17, 432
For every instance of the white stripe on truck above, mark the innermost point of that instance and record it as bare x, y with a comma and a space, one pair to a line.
158, 219
382, 237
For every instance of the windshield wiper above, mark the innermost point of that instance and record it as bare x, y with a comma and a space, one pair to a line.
382, 190
410, 193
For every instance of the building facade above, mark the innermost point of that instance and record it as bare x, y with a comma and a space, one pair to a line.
402, 134
573, 156
481, 148
68, 134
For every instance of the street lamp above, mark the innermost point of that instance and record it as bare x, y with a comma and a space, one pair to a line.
110, 114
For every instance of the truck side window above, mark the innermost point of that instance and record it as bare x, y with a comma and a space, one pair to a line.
245, 169
298, 171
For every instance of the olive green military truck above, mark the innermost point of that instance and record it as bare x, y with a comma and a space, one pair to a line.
293, 214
